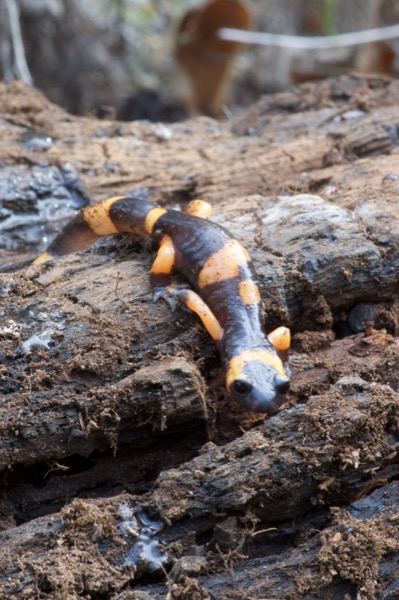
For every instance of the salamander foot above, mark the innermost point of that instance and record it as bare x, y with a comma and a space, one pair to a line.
171, 295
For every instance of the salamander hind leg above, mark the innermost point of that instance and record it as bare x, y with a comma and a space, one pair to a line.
160, 274
199, 208
163, 264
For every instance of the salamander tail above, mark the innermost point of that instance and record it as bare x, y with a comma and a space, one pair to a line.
120, 214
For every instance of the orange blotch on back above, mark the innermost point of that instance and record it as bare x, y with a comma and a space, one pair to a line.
224, 264
249, 292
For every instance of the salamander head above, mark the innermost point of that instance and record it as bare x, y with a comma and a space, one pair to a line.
257, 381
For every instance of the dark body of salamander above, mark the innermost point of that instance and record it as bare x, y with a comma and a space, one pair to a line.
226, 295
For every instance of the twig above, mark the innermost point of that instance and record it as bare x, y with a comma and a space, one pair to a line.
21, 66
310, 43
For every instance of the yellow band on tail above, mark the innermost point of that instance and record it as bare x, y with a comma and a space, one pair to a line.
98, 219
43, 258
152, 218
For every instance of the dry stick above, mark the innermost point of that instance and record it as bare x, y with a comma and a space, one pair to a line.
5, 45
21, 67
310, 43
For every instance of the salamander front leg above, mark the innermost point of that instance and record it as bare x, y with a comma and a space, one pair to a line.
280, 338
193, 303
167, 293
196, 304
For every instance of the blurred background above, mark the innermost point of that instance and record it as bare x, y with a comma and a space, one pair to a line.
162, 60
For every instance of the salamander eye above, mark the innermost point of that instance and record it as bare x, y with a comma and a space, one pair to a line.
240, 386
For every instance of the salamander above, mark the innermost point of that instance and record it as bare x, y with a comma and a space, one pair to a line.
225, 295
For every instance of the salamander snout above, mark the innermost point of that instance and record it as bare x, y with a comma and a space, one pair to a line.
281, 384
259, 388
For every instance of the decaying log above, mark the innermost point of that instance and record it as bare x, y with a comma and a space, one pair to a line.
264, 470
355, 554
111, 365
339, 447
